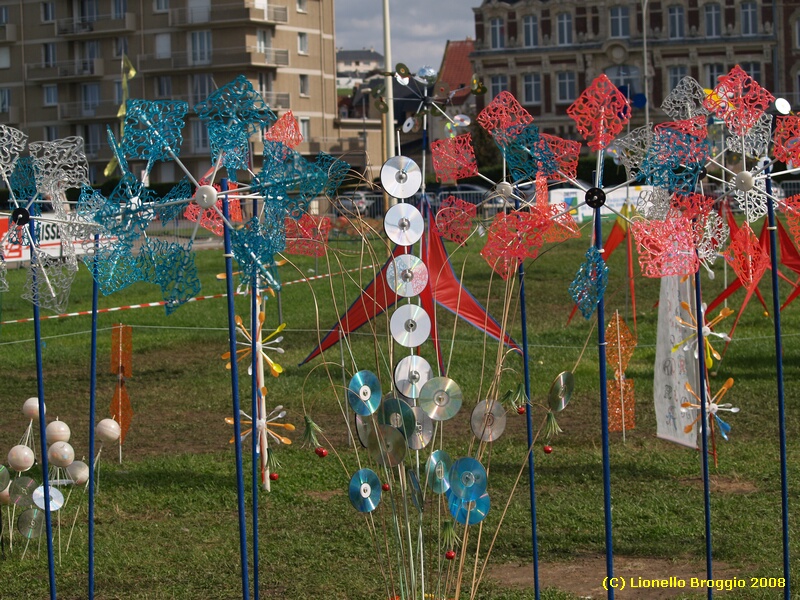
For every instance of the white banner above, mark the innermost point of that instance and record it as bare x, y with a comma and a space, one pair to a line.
673, 369
49, 242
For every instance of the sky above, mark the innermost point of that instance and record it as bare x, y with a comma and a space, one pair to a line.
420, 28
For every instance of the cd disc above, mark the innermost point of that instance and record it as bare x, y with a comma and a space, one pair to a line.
56, 498
469, 511
398, 414
467, 478
410, 374
5, 478
461, 121
440, 397
364, 393
488, 420
561, 391
404, 224
21, 490
407, 275
363, 427
386, 445
437, 471
31, 523
414, 489
401, 177
423, 430
410, 325
365, 490
408, 124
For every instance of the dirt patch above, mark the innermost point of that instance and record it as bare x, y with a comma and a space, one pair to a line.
584, 576
724, 485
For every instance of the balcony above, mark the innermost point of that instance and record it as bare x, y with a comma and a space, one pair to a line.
72, 69
226, 14
9, 114
76, 27
228, 57
276, 100
8, 33
80, 111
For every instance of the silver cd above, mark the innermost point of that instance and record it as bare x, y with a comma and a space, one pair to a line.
410, 374
386, 445
488, 420
461, 121
404, 224
363, 427
56, 498
401, 177
31, 523
423, 430
408, 124
441, 398
410, 325
407, 275
561, 391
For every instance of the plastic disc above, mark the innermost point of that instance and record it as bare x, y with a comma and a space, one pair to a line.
408, 124
441, 398
5, 477
467, 478
437, 471
56, 498
404, 224
488, 420
21, 491
401, 177
414, 489
410, 325
469, 511
365, 490
561, 391
423, 430
397, 413
386, 445
410, 374
407, 275
363, 427
31, 523
364, 393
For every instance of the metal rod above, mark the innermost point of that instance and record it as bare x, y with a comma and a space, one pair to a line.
93, 407
255, 356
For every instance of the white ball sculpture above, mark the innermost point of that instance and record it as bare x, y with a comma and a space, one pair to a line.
30, 408
57, 431
78, 471
108, 431
21, 458
61, 454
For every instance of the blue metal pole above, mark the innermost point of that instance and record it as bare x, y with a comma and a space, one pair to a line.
93, 410
776, 311
701, 364
42, 423
237, 425
256, 434
529, 422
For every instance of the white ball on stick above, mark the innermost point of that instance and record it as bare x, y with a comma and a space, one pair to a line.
21, 458
108, 431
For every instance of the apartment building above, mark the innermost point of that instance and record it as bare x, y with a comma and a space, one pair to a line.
546, 53
61, 67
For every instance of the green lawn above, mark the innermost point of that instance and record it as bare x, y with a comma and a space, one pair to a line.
166, 517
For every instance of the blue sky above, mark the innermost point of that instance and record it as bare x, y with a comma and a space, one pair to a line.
420, 28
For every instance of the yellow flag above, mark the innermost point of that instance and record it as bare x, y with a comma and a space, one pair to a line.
128, 72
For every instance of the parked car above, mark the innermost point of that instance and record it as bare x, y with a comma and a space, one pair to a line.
352, 203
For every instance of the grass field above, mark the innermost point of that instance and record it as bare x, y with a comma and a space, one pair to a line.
166, 516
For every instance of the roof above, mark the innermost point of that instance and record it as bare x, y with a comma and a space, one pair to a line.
364, 55
456, 68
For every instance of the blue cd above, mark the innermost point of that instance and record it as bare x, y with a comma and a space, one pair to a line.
469, 511
364, 393
398, 414
437, 471
365, 490
467, 478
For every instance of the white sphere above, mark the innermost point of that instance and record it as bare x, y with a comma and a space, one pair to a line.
21, 458
108, 430
78, 471
61, 454
5, 495
30, 408
57, 431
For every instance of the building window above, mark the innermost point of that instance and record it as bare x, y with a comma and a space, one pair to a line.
530, 31
753, 69
202, 86
3, 15
677, 23
305, 127
48, 12
304, 85
90, 98
713, 16
566, 86
265, 82
497, 84
797, 33
163, 86
620, 22
5, 58
120, 46
713, 72
497, 34
532, 88
749, 18
161, 5
199, 136
163, 43
94, 139
302, 43
5, 100
675, 74
117, 91
302, 6
49, 54
88, 11
564, 29
201, 47
50, 95
50, 133
263, 40
120, 7
626, 78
